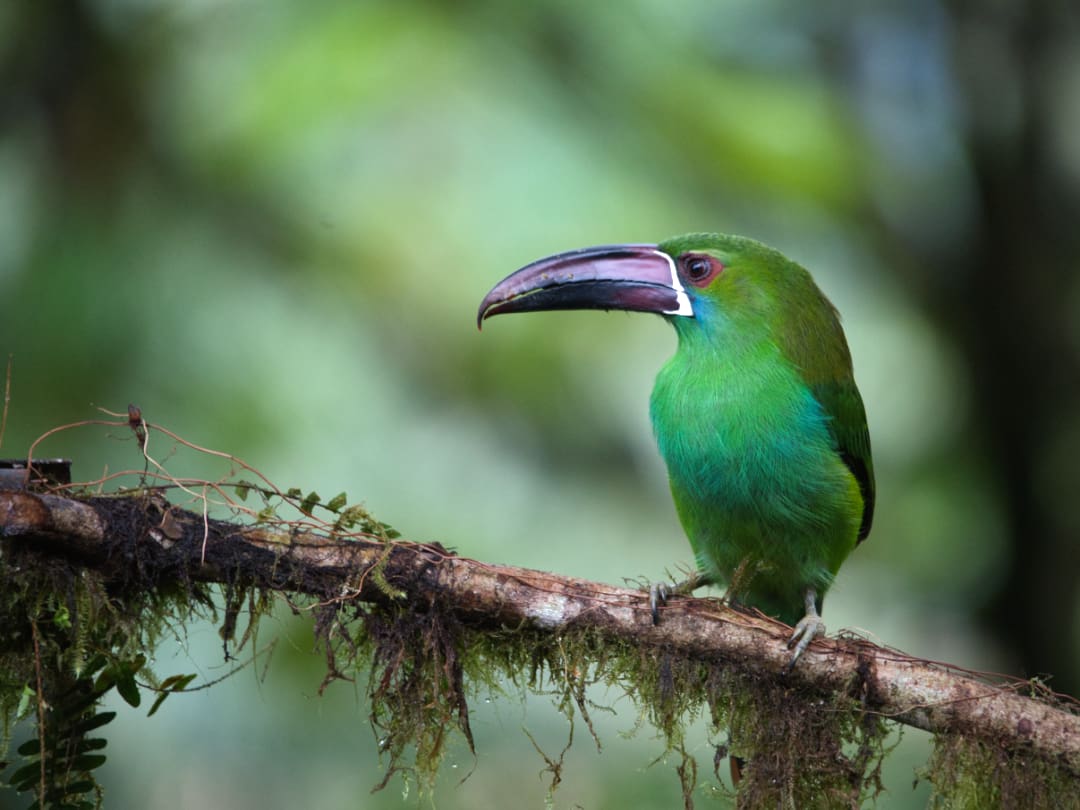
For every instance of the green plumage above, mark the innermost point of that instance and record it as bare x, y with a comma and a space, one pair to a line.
762, 428
757, 414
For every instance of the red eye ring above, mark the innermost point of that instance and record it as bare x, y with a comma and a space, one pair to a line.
699, 269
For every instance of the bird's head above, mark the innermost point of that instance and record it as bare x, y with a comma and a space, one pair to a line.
700, 278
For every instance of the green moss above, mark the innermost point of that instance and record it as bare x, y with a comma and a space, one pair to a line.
969, 774
802, 750
799, 749
69, 634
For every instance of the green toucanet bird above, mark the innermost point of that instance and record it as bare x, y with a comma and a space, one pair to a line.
756, 415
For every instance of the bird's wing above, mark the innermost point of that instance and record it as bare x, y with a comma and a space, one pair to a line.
814, 342
847, 423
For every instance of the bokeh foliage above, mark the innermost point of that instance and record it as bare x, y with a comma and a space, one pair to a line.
269, 225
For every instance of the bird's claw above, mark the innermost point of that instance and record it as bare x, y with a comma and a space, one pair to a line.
809, 627
660, 592
658, 595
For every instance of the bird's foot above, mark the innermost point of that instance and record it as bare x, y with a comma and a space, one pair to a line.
809, 627
658, 595
659, 592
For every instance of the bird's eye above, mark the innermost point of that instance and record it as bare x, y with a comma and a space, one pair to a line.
700, 269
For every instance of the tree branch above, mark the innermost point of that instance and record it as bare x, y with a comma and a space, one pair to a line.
181, 546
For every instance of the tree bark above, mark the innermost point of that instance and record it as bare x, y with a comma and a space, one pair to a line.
174, 545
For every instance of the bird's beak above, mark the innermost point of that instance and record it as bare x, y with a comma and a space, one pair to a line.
640, 278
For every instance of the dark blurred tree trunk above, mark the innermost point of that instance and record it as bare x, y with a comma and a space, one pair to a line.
64, 69
1017, 301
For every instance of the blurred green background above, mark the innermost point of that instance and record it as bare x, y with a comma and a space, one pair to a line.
269, 225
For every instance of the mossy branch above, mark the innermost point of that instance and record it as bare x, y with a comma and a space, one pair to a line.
105, 533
